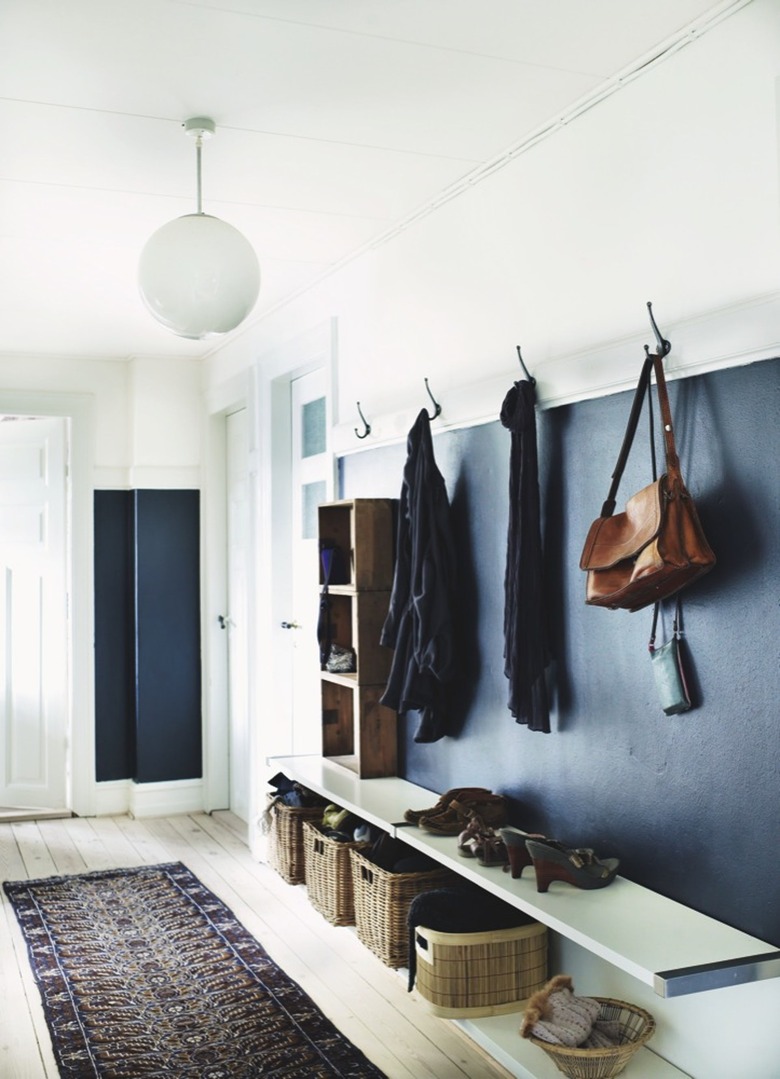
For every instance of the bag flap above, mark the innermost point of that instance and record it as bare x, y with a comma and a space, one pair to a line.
613, 539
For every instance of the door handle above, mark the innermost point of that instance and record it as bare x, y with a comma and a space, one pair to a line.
225, 621
291, 625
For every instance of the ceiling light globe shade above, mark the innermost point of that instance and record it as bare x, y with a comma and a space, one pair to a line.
199, 276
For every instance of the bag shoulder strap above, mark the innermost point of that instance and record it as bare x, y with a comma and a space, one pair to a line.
636, 408
653, 361
672, 460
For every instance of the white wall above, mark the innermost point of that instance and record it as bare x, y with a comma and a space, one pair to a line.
147, 413
104, 382
666, 191
165, 406
134, 423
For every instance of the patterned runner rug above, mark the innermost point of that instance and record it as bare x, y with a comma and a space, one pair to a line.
145, 973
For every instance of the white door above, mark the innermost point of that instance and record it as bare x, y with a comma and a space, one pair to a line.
312, 483
236, 621
33, 601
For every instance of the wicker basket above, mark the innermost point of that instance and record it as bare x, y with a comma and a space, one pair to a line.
467, 975
382, 901
285, 839
329, 874
636, 1027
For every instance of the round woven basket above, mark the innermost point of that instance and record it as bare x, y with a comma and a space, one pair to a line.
636, 1026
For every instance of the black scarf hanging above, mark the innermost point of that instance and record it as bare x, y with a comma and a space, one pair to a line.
525, 638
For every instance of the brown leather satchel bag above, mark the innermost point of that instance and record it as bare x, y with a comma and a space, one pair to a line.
656, 546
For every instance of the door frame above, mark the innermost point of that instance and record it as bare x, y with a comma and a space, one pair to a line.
273, 375
264, 390
229, 397
78, 409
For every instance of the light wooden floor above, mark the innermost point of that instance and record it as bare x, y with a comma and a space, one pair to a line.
365, 999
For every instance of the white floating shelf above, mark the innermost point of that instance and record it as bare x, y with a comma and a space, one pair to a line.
378, 801
677, 951
499, 1036
576, 914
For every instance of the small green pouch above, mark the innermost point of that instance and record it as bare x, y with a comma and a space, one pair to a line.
668, 670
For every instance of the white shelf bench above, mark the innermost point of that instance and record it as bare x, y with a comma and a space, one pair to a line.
677, 951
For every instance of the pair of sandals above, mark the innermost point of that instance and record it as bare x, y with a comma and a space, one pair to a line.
481, 841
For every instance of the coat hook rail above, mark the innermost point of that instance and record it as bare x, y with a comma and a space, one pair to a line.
664, 346
366, 424
437, 406
526, 372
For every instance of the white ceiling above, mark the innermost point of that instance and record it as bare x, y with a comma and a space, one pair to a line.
336, 120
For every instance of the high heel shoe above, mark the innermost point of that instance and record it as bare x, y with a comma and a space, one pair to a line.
580, 867
517, 851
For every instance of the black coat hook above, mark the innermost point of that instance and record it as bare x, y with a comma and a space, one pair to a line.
526, 372
664, 346
437, 406
366, 424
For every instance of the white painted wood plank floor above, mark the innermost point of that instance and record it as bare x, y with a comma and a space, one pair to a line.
365, 999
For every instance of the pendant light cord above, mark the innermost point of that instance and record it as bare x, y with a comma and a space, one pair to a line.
199, 196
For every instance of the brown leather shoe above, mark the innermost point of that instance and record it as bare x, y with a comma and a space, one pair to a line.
490, 807
414, 816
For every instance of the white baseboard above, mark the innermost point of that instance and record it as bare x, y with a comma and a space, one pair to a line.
113, 798
166, 799
149, 799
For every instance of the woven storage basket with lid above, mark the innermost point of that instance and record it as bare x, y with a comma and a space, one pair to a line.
329, 874
382, 901
636, 1027
464, 975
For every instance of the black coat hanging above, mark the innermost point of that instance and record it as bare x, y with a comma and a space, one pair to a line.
526, 653
419, 624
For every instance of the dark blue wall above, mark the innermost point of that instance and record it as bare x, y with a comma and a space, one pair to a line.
167, 635
691, 804
147, 635
114, 693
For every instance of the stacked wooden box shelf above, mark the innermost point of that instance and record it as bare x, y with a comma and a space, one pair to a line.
358, 732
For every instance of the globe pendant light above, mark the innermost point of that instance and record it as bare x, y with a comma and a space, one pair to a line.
198, 275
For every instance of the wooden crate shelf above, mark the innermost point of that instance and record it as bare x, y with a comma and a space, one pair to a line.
356, 619
362, 531
358, 733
